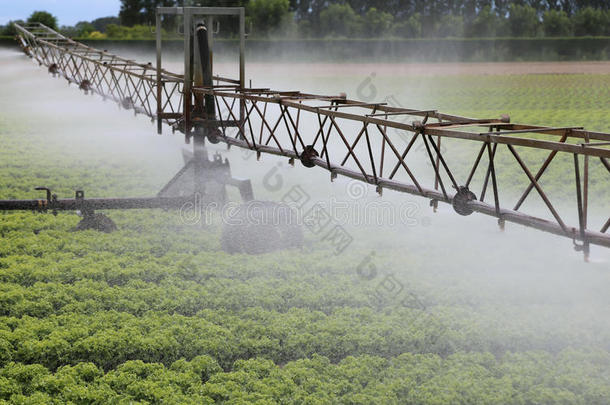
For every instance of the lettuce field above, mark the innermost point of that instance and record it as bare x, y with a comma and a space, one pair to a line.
442, 310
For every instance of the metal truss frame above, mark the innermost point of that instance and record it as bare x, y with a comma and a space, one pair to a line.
349, 137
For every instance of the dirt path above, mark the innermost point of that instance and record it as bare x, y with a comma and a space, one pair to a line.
443, 69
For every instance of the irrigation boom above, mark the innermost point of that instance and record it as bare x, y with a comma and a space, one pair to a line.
346, 137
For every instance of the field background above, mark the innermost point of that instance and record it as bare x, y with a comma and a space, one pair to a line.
157, 313
388, 50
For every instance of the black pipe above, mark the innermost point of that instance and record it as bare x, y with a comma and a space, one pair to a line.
91, 204
206, 69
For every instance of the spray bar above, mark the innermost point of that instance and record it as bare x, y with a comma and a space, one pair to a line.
362, 154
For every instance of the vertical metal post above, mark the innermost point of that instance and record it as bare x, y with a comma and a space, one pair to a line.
438, 162
187, 72
197, 67
199, 151
242, 48
159, 84
209, 22
242, 61
581, 220
494, 183
586, 186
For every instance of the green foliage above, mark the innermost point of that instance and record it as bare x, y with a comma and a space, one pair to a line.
377, 23
84, 28
157, 313
9, 29
450, 26
486, 24
123, 32
43, 17
406, 379
358, 19
556, 23
591, 21
80, 30
340, 20
136, 12
100, 24
410, 28
265, 15
523, 21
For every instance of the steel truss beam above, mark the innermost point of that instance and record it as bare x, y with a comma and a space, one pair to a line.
378, 148
280, 123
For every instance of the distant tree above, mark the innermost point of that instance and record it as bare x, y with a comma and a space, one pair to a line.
485, 24
598, 4
308, 10
556, 23
450, 26
266, 15
43, 17
523, 21
305, 28
132, 12
590, 21
377, 23
373, 18
100, 24
288, 27
409, 28
142, 11
340, 20
68, 31
502, 7
9, 29
135, 32
84, 28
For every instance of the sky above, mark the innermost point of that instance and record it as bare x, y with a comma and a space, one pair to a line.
68, 12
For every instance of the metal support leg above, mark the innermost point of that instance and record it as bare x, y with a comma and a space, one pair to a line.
199, 158
434, 203
159, 83
494, 182
581, 219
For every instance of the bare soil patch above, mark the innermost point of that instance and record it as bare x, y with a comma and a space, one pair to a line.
441, 69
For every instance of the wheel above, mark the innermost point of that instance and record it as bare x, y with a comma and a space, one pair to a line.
461, 201
307, 156
257, 227
214, 136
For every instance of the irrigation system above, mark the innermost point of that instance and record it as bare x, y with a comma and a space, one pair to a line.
346, 137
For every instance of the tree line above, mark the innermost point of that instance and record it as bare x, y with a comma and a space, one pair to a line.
363, 19
98, 27
403, 18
